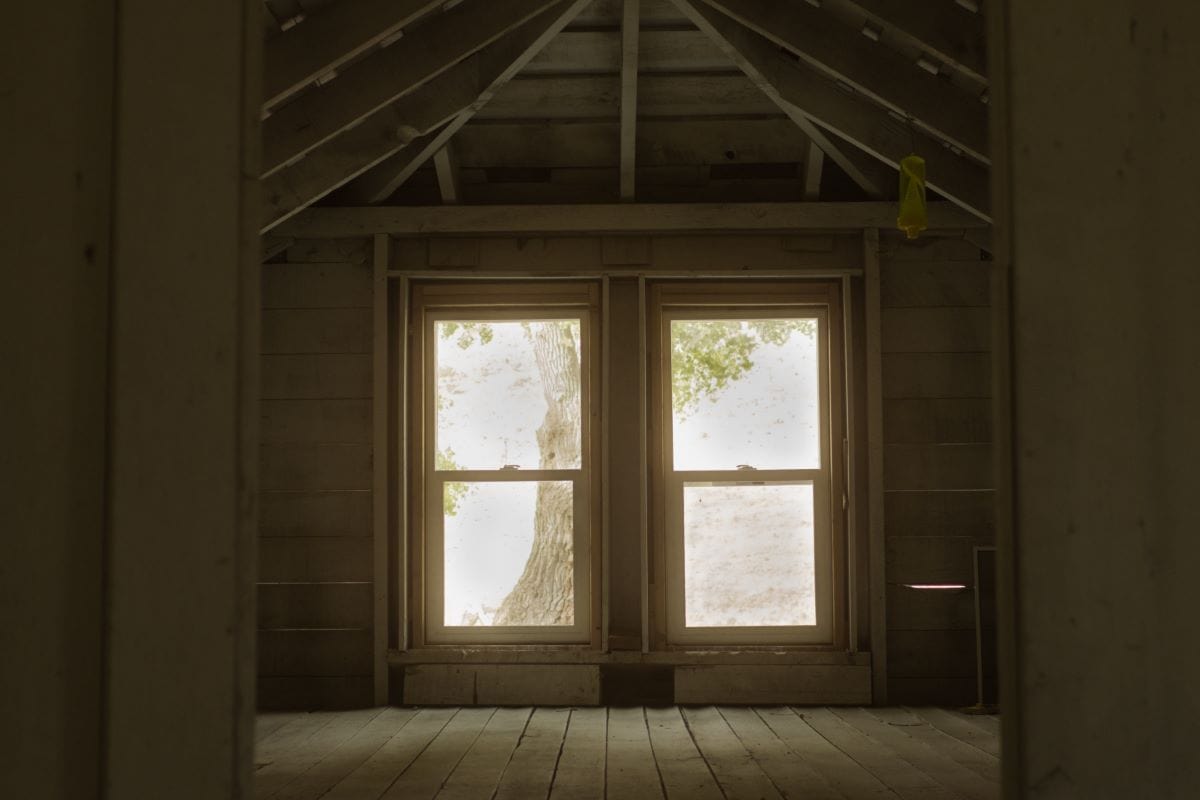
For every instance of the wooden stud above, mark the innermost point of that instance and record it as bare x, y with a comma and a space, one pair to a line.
875, 544
380, 484
630, 22
643, 466
605, 461
814, 161
449, 184
403, 537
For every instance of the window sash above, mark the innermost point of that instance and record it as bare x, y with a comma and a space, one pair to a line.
673, 482
434, 631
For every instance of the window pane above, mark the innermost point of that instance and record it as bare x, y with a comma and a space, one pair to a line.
509, 556
508, 392
748, 555
745, 392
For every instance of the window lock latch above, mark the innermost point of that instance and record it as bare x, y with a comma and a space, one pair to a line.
511, 467
746, 468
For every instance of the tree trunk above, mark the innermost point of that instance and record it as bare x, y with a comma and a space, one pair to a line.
545, 592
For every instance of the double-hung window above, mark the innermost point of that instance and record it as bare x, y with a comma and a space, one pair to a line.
747, 408
505, 446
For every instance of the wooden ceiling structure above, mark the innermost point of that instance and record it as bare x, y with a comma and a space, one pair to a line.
486, 102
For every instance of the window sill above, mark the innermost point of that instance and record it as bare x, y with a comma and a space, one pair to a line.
550, 654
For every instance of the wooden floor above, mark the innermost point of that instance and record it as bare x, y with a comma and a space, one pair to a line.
629, 753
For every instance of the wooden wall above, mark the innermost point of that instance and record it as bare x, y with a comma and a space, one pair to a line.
936, 328
315, 612
315, 568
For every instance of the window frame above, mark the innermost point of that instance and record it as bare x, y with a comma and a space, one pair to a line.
745, 299
432, 301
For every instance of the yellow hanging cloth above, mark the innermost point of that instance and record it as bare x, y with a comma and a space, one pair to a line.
914, 216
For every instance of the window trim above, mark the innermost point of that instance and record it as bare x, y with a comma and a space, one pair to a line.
429, 302
740, 299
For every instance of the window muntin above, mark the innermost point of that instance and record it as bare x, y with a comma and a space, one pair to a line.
506, 505
758, 392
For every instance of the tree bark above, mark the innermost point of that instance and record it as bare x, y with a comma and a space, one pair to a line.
545, 592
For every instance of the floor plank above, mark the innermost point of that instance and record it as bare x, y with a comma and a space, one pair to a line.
580, 774
900, 776
424, 777
291, 735
740, 777
843, 772
347, 757
671, 753
630, 771
983, 764
954, 725
531, 770
792, 774
683, 770
376, 774
943, 769
267, 723
478, 774
288, 764
989, 723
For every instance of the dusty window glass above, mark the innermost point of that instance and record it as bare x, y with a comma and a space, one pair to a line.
748, 555
508, 394
508, 553
745, 392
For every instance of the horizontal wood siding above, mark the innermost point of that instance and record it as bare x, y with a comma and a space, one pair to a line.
315, 592
937, 430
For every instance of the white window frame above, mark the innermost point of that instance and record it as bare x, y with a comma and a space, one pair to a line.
693, 303
518, 305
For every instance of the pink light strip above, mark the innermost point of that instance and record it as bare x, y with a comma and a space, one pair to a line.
939, 586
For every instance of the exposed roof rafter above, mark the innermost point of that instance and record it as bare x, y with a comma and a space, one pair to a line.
868, 175
944, 28
470, 85
806, 95
871, 69
387, 75
332, 36
512, 54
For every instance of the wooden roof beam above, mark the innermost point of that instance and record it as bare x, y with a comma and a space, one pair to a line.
387, 75
803, 92
875, 71
630, 24
450, 100
332, 36
951, 33
614, 218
